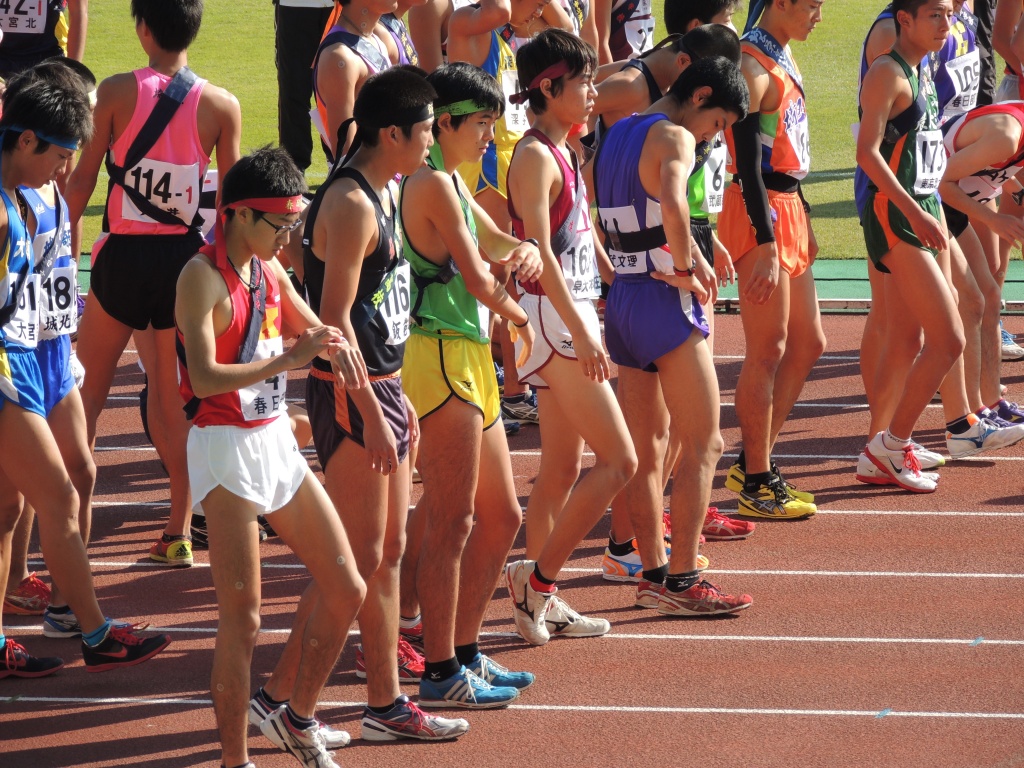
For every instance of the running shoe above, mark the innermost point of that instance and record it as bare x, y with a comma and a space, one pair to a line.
197, 529
1011, 350
76, 368
901, 466
499, 374
774, 502
407, 721
412, 635
629, 567
66, 624
702, 599
869, 474
306, 745
266, 529
122, 648
511, 427
465, 690
29, 598
648, 594
563, 621
410, 662
666, 527
737, 476
1009, 412
15, 661
928, 459
719, 527
984, 435
522, 410
492, 673
260, 710
529, 607
176, 553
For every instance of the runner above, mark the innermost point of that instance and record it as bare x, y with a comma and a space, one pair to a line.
464, 459
765, 225
44, 121
155, 158
655, 328
567, 364
235, 304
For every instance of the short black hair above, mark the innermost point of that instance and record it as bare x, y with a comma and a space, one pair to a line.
710, 40
174, 23
680, 13
267, 172
388, 98
88, 78
461, 81
550, 47
728, 86
910, 6
50, 100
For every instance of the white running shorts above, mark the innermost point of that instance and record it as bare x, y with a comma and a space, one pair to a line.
552, 337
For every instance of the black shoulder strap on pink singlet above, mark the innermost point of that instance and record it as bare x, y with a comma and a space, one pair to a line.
167, 105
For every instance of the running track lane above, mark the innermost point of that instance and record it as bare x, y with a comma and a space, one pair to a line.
881, 633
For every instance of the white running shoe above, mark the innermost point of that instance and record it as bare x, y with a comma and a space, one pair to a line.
868, 473
307, 745
901, 466
529, 607
563, 621
983, 436
928, 459
1011, 350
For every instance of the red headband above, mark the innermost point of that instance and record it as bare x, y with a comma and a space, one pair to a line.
556, 70
269, 204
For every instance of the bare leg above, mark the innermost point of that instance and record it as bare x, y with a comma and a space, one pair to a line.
21, 538
974, 254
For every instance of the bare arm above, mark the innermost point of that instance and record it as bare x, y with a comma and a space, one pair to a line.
469, 29
1007, 19
426, 28
337, 79
229, 138
83, 180
78, 24
625, 91
601, 10
501, 248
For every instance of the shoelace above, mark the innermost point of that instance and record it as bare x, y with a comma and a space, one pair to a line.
11, 653
910, 460
778, 487
35, 586
407, 652
126, 634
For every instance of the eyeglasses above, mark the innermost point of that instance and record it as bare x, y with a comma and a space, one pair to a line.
279, 229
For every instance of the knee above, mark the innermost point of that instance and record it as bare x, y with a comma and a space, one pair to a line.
993, 299
242, 622
620, 469
563, 471
368, 559
394, 549
83, 474
767, 355
971, 305
449, 527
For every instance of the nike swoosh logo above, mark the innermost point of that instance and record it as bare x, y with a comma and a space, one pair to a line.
119, 655
897, 470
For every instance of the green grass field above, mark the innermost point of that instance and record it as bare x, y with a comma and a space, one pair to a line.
235, 49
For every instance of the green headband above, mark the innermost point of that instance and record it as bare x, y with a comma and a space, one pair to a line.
459, 108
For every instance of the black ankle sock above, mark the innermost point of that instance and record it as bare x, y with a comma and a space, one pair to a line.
514, 398
680, 582
177, 537
59, 611
540, 577
381, 710
656, 575
302, 723
441, 670
273, 703
959, 426
466, 654
742, 461
620, 550
754, 481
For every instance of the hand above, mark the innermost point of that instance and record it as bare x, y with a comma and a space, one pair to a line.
706, 275
929, 231
725, 271
414, 425
691, 284
525, 261
311, 342
592, 357
348, 366
381, 446
1009, 228
765, 276
527, 335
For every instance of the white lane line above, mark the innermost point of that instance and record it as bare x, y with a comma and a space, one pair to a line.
730, 571
640, 637
799, 456
823, 357
875, 713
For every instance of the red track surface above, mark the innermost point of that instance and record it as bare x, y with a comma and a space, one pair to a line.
836, 664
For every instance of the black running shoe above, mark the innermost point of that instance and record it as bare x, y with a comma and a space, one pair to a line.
122, 648
198, 532
265, 527
15, 661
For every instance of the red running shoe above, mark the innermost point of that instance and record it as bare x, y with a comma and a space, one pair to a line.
719, 527
15, 661
29, 598
410, 663
413, 635
702, 599
122, 648
666, 524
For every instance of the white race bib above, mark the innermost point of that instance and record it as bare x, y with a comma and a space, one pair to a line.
640, 28
23, 327
965, 74
171, 188
800, 137
26, 17
930, 160
265, 400
58, 303
395, 307
623, 219
515, 114
714, 180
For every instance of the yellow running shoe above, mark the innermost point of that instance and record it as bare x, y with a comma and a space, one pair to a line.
774, 501
734, 482
177, 552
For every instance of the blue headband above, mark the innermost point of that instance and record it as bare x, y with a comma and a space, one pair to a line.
63, 143
754, 14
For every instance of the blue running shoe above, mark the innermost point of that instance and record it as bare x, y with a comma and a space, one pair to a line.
66, 624
1009, 412
466, 690
984, 435
490, 671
